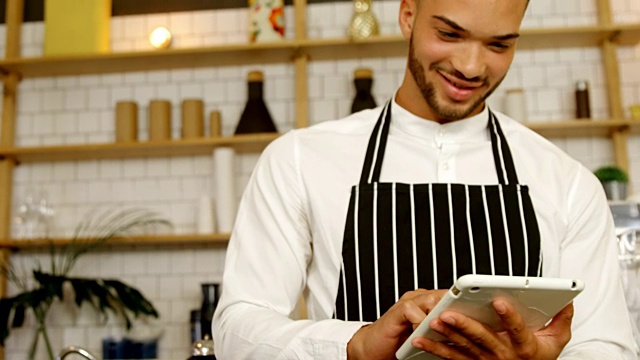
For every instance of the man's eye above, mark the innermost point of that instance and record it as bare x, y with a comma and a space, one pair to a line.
500, 46
448, 34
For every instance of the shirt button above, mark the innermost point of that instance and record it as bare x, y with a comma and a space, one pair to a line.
441, 132
445, 166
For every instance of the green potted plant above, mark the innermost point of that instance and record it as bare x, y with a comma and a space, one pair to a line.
614, 180
41, 287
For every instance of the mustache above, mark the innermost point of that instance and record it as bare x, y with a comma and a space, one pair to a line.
458, 75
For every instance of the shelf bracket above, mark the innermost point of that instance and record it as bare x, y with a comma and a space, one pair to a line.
298, 53
614, 37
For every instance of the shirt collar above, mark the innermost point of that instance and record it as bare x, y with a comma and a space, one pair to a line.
469, 129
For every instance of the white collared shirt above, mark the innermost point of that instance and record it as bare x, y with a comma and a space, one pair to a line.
288, 234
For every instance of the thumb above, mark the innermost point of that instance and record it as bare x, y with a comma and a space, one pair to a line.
560, 325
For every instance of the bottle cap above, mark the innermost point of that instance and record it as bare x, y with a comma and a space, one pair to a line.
255, 75
582, 85
363, 73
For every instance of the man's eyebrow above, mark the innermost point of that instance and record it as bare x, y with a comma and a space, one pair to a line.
507, 37
450, 22
457, 27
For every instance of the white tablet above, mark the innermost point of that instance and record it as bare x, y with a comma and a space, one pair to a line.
537, 299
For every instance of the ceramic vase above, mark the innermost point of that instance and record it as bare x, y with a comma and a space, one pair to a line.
266, 20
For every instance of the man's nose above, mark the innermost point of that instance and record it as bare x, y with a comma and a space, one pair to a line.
469, 61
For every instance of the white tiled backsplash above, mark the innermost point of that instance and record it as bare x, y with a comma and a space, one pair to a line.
79, 109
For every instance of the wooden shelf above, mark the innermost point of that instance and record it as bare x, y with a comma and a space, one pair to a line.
167, 59
628, 34
343, 48
257, 143
563, 37
137, 241
241, 143
583, 127
559, 37
284, 51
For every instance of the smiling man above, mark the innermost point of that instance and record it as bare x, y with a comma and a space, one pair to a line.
456, 58
372, 217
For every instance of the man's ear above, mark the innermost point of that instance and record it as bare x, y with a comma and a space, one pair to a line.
406, 18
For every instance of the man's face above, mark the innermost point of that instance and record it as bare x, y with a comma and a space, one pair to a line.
460, 51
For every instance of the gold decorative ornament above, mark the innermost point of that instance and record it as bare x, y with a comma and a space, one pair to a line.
363, 22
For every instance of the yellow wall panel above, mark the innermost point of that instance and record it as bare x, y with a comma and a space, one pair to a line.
76, 26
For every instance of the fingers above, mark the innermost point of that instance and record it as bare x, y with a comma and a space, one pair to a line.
441, 350
415, 305
464, 344
560, 326
550, 339
412, 308
524, 342
382, 338
467, 338
513, 323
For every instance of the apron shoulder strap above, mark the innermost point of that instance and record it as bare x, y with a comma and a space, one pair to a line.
378, 142
377, 145
501, 153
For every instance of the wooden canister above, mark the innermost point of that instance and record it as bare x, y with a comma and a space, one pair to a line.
159, 120
192, 118
215, 126
126, 121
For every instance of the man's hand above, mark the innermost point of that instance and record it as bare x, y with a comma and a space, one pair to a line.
381, 339
469, 339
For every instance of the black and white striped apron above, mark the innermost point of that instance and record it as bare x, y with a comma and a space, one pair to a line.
401, 237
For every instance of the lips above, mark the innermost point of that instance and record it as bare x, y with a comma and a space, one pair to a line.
457, 89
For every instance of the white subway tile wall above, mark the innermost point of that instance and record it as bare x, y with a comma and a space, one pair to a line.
80, 110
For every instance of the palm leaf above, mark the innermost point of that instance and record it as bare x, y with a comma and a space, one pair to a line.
18, 315
94, 230
132, 299
105, 295
6, 305
12, 310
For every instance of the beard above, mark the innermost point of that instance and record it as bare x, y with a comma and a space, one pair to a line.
443, 112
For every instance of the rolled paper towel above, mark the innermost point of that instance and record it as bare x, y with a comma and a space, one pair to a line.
206, 221
225, 194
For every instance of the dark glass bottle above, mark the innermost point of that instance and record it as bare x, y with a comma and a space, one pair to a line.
255, 117
210, 296
583, 107
363, 80
195, 317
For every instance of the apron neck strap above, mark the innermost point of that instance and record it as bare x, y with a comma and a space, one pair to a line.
378, 142
501, 153
377, 145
